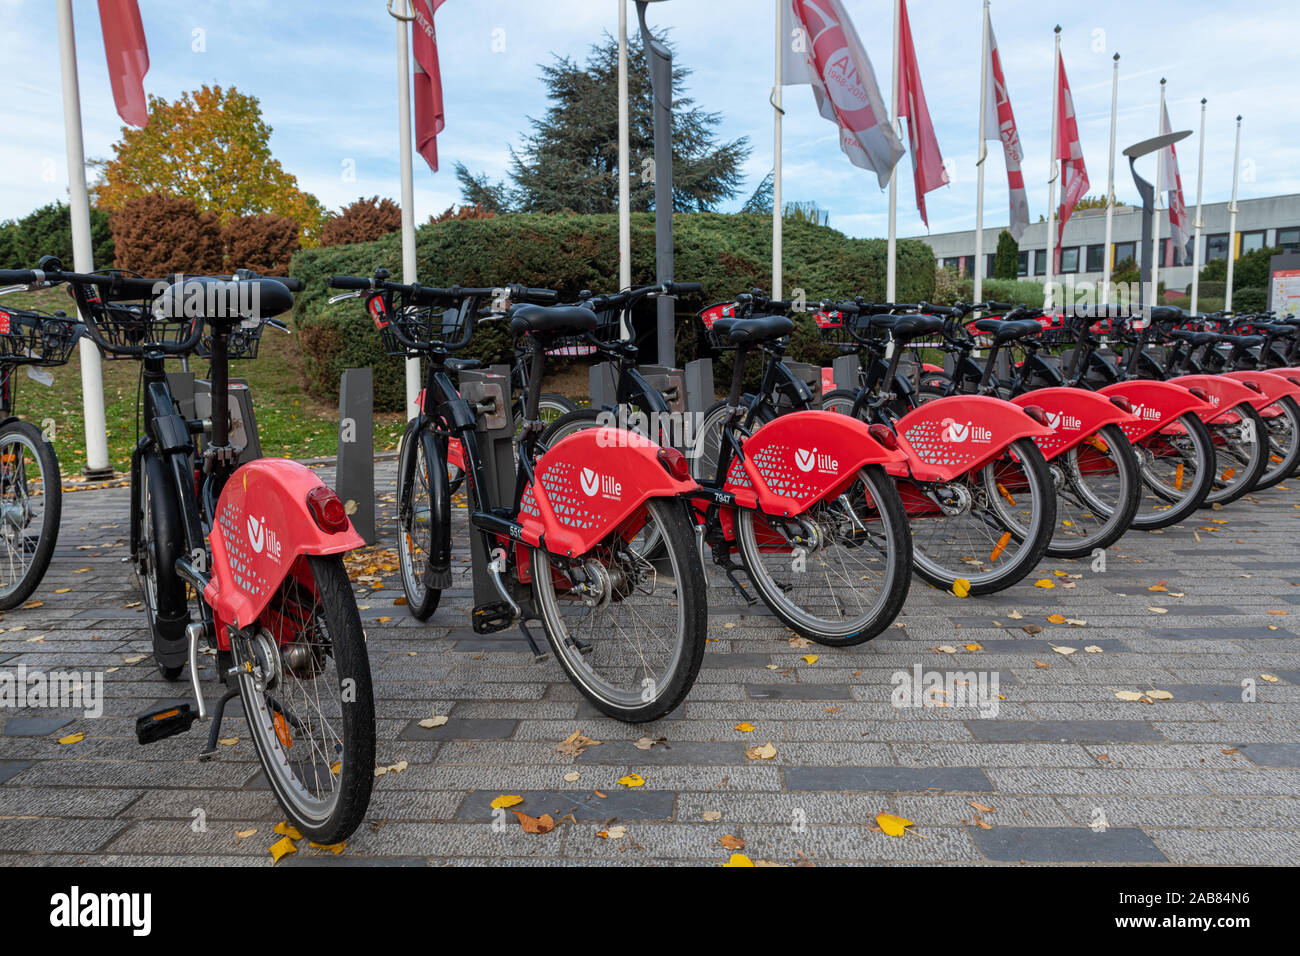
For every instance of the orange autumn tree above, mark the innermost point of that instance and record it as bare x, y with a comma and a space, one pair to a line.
211, 146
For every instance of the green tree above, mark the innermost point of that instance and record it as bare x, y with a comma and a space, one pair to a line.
1250, 271
1006, 260
211, 146
760, 200
47, 231
569, 162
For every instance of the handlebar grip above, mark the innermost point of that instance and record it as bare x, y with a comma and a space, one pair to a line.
541, 296
686, 288
25, 276
293, 285
349, 282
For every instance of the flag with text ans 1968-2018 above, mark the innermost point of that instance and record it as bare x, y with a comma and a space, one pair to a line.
1074, 175
821, 48
429, 119
1000, 123
128, 58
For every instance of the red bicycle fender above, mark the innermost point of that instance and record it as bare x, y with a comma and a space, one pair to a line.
1156, 405
1271, 387
950, 436
263, 525
589, 484
796, 460
455, 454
828, 379
1073, 414
1224, 393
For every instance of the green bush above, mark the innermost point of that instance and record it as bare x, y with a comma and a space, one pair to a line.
48, 232
8, 252
1215, 288
727, 254
1204, 303
1250, 298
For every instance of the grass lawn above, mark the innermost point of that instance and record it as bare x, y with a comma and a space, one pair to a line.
290, 423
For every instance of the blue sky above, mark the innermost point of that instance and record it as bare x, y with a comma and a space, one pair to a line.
325, 73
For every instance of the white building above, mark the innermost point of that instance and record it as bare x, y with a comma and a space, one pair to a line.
1261, 223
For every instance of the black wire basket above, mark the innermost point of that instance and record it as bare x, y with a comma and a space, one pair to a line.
836, 328
35, 338
241, 342
608, 331
417, 323
134, 324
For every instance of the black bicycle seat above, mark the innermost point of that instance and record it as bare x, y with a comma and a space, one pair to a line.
904, 328
1004, 331
551, 318
223, 300
759, 328
1167, 313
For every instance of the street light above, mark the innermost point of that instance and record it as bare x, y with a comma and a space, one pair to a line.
659, 59
1148, 194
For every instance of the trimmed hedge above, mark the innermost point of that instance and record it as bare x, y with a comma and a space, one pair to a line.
728, 254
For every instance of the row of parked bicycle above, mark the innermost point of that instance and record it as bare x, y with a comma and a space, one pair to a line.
1044, 434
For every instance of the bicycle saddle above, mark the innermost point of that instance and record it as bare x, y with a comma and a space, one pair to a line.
1166, 313
1196, 339
904, 328
218, 300
1004, 331
551, 318
759, 328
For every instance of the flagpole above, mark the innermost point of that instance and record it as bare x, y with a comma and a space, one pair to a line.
409, 268
92, 376
891, 263
1232, 219
1110, 187
1155, 213
1196, 241
1051, 173
777, 113
624, 174
983, 155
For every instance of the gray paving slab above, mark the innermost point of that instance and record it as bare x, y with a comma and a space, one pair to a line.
1207, 778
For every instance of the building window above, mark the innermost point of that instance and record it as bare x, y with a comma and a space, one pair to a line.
1124, 250
1069, 260
1250, 241
1096, 258
1022, 263
1289, 239
1216, 247
988, 265
1040, 262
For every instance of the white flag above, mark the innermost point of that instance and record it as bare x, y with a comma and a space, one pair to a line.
1000, 123
1174, 185
821, 48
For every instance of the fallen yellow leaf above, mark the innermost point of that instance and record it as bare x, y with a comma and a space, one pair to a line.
892, 825
282, 848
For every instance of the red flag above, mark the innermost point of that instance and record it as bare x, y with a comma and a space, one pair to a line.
429, 119
1074, 176
824, 51
128, 58
927, 164
1174, 186
1000, 123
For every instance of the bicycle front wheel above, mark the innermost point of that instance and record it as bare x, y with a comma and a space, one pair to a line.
628, 627
31, 499
837, 574
1176, 464
1283, 442
304, 680
1240, 455
417, 469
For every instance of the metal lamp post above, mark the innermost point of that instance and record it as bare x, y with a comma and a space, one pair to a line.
659, 60
1148, 194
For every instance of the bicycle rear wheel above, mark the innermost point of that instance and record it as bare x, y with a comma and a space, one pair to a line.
304, 680
31, 499
989, 527
1176, 466
1283, 442
628, 628
838, 573
1241, 453
1097, 493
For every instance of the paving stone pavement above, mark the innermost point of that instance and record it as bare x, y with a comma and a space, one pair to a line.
1075, 775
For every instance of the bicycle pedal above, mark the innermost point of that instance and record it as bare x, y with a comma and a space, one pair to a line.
490, 618
164, 722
